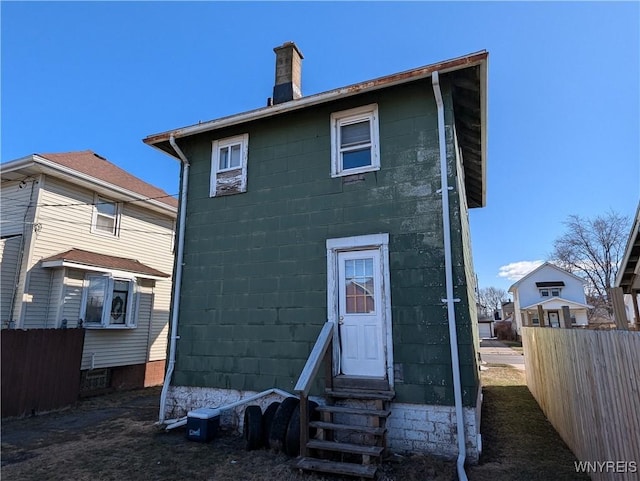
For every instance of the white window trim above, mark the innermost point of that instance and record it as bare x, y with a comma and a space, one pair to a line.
355, 243
243, 140
345, 117
94, 219
132, 301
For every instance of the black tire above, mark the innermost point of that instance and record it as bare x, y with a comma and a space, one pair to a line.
292, 439
267, 420
278, 431
253, 427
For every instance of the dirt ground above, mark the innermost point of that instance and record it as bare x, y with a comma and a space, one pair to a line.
113, 437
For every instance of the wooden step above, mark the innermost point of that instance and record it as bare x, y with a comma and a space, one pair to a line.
349, 469
345, 447
361, 394
382, 413
347, 427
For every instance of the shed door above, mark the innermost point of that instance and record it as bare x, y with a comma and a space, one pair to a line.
362, 350
484, 330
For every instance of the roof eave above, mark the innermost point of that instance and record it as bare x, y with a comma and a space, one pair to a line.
471, 60
484, 125
88, 267
46, 166
634, 237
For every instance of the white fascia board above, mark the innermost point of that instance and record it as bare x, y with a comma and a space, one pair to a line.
478, 58
52, 168
362, 241
635, 232
112, 187
576, 305
18, 164
559, 269
114, 273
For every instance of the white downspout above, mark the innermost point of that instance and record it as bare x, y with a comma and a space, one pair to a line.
448, 264
177, 281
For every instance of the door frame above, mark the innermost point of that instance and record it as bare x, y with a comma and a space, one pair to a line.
358, 243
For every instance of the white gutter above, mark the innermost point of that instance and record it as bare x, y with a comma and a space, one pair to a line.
46, 166
86, 267
177, 281
448, 264
458, 63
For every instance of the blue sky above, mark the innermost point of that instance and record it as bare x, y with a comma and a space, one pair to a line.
563, 90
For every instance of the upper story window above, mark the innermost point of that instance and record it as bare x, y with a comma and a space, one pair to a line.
355, 141
108, 302
106, 216
555, 292
229, 165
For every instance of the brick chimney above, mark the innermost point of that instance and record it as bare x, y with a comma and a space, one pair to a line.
288, 72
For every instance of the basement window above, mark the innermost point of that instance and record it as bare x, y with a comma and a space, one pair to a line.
355, 141
229, 166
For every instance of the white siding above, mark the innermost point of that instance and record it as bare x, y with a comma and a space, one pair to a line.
159, 332
14, 202
529, 294
121, 347
72, 296
64, 219
9, 253
36, 300
18, 200
55, 297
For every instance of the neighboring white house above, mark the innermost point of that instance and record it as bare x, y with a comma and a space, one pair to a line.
628, 277
82, 239
552, 292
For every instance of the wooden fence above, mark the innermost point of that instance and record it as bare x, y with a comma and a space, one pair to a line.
588, 386
40, 369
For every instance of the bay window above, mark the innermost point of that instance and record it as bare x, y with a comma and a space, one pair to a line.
108, 301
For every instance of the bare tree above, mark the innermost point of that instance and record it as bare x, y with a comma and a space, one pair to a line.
491, 299
592, 249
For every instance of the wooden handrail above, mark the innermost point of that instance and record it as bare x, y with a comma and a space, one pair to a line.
315, 359
308, 374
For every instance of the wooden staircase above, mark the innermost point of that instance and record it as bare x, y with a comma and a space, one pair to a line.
351, 437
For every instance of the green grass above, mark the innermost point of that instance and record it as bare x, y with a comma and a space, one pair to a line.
518, 441
85, 444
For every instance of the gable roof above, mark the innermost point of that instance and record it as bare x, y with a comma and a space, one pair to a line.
562, 301
540, 267
468, 76
88, 168
80, 259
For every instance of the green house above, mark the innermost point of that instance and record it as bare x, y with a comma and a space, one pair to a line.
328, 210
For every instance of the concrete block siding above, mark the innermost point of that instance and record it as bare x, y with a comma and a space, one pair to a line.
412, 428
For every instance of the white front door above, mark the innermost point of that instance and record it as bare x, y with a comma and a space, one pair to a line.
554, 319
360, 314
